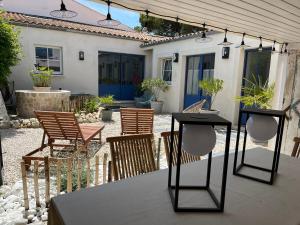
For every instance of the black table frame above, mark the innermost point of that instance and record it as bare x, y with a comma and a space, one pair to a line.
273, 171
198, 120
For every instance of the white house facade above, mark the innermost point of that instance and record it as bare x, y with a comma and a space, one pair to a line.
97, 60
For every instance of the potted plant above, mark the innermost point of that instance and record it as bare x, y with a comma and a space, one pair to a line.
106, 102
257, 94
155, 86
211, 87
41, 78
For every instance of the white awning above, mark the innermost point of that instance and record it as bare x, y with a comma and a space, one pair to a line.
273, 19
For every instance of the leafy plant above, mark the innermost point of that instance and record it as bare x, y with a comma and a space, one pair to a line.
84, 177
106, 101
92, 105
10, 48
256, 93
155, 86
211, 87
41, 76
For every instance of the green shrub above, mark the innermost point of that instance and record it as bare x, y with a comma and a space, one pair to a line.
10, 48
155, 86
92, 105
211, 87
41, 77
106, 101
75, 176
256, 93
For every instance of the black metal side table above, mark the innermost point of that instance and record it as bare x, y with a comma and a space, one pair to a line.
280, 114
174, 190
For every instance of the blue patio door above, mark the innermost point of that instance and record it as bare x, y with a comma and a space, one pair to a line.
120, 74
197, 68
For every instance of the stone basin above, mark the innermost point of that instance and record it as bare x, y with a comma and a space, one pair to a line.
29, 100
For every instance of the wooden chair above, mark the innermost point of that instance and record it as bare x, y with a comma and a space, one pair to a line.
136, 121
296, 149
64, 126
131, 155
195, 108
185, 157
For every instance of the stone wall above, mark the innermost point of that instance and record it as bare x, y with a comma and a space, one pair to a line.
29, 100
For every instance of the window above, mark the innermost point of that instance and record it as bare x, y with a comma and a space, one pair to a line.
50, 57
167, 70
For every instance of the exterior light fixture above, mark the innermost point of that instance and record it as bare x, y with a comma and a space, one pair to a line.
177, 33
109, 22
225, 42
63, 12
243, 45
145, 28
260, 48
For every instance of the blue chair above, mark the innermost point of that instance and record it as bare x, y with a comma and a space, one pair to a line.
144, 101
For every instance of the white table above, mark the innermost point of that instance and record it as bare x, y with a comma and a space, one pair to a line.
144, 200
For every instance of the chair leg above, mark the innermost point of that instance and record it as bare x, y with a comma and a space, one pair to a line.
109, 172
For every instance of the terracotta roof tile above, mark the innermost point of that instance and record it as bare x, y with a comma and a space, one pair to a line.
47, 23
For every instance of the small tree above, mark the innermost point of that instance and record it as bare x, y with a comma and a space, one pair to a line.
10, 48
256, 93
211, 87
10, 55
155, 86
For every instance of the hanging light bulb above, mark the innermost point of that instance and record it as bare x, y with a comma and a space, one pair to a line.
145, 28
243, 45
63, 12
177, 33
203, 33
225, 42
273, 47
285, 48
260, 48
109, 22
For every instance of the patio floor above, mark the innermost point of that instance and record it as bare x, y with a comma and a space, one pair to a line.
18, 142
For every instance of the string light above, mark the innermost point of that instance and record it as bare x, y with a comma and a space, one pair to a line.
177, 33
260, 48
108, 21
192, 22
285, 48
62, 12
243, 45
273, 48
225, 41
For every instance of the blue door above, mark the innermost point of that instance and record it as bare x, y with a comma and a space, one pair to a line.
256, 64
120, 74
197, 68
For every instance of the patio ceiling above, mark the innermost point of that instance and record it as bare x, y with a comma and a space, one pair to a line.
273, 19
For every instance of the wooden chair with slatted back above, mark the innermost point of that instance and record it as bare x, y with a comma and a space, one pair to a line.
296, 149
136, 121
64, 126
131, 155
185, 157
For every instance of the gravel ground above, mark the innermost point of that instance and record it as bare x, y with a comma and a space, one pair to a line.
18, 142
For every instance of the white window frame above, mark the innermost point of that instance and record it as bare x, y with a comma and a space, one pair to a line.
163, 70
55, 73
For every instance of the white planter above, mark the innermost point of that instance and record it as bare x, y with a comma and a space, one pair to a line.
157, 106
106, 114
261, 128
42, 89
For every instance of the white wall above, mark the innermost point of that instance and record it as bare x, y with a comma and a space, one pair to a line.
78, 76
230, 70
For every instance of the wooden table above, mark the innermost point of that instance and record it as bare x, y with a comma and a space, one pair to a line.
144, 200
